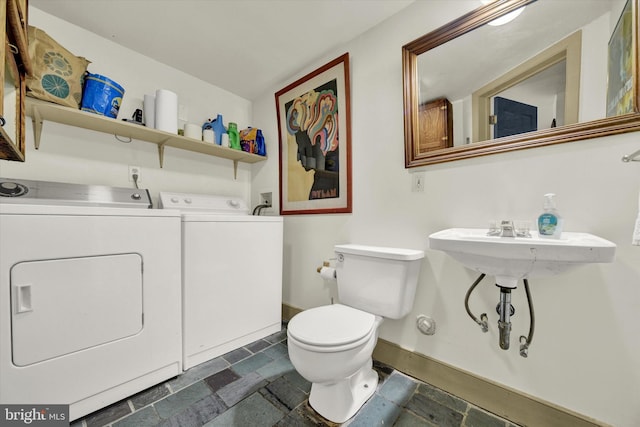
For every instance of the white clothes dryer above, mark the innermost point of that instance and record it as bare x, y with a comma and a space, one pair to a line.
231, 274
89, 294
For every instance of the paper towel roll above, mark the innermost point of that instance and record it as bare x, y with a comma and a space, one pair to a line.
192, 130
166, 111
207, 135
328, 273
149, 110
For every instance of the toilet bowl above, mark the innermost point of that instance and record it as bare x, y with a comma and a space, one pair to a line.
332, 346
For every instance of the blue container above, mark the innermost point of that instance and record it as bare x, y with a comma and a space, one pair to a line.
101, 95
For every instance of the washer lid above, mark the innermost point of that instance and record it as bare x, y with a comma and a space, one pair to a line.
331, 325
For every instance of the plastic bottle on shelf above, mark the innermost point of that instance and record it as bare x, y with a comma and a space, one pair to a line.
234, 136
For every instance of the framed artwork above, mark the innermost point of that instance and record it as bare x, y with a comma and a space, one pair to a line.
621, 65
315, 147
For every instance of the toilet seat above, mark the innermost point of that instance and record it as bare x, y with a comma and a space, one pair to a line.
333, 327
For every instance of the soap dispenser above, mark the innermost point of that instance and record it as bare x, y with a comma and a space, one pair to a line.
550, 222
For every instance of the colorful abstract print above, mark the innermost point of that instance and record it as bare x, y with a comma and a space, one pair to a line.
316, 114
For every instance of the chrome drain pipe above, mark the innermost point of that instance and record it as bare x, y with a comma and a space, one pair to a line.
505, 310
483, 322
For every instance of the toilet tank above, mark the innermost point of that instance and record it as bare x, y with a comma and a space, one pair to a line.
378, 280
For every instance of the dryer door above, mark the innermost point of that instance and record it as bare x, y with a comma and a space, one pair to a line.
61, 306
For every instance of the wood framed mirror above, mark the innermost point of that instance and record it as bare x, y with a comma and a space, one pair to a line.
460, 60
14, 65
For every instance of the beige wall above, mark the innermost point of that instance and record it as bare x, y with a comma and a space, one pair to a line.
586, 353
74, 155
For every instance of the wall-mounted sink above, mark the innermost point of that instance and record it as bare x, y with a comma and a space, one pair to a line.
510, 259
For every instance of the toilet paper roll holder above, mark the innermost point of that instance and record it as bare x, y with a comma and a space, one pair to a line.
324, 264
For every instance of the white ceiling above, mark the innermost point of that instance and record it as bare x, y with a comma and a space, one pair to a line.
243, 46
508, 46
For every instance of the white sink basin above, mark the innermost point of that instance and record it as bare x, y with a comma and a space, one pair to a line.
510, 259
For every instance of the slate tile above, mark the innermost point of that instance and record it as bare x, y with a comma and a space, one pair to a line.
433, 411
257, 385
304, 416
198, 373
295, 419
258, 346
398, 388
178, 402
308, 412
146, 417
197, 414
276, 351
237, 355
440, 396
148, 396
299, 381
277, 337
409, 419
276, 368
108, 415
378, 411
239, 389
273, 400
286, 393
478, 418
251, 364
254, 411
221, 379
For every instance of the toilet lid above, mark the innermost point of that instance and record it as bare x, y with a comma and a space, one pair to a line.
331, 325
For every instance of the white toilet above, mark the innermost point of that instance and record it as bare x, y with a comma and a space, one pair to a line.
331, 346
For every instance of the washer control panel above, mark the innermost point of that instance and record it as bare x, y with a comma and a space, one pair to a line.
69, 194
206, 203
12, 189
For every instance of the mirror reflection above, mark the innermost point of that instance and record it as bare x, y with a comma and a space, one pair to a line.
10, 100
556, 65
9, 118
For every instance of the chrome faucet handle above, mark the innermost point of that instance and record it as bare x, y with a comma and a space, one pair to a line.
507, 229
494, 229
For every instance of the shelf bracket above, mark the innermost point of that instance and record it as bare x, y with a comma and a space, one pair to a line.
235, 170
36, 119
161, 154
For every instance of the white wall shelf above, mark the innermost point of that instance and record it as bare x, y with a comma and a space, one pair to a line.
39, 111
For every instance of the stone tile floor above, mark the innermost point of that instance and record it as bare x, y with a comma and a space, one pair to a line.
256, 385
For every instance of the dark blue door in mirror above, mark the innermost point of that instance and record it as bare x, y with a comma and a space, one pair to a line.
513, 117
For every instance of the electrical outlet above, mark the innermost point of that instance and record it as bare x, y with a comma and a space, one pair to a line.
133, 170
417, 183
266, 199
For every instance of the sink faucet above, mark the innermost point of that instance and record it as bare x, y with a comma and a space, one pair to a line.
506, 229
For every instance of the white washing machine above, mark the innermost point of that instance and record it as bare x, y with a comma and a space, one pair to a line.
89, 294
231, 274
